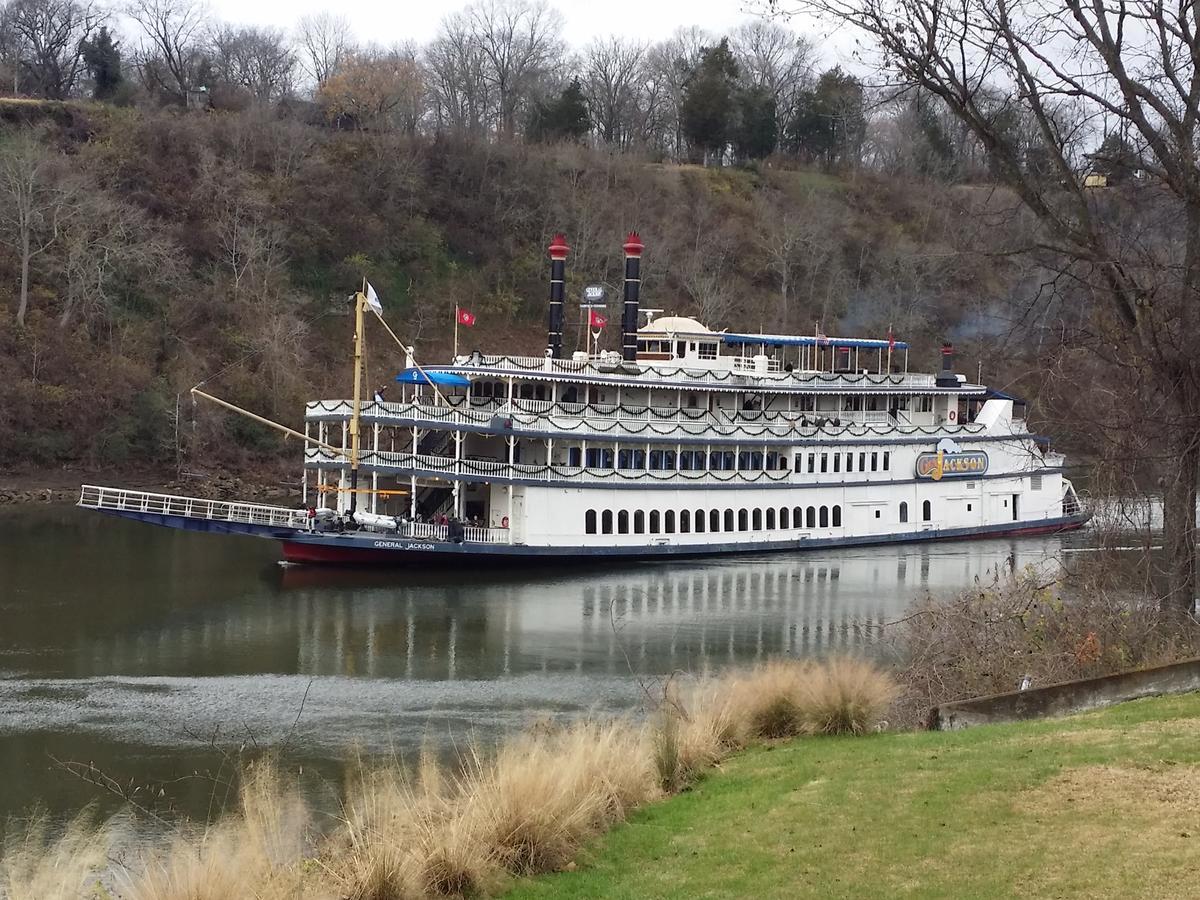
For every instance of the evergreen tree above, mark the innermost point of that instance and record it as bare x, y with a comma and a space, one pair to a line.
757, 130
102, 56
830, 122
565, 118
708, 111
1116, 159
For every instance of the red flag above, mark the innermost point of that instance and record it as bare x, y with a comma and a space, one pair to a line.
891, 339
595, 320
464, 317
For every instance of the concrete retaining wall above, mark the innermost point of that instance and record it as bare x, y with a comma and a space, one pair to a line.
1068, 697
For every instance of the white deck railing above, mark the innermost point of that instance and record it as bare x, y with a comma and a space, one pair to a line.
123, 500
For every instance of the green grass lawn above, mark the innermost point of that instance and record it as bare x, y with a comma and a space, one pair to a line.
1105, 804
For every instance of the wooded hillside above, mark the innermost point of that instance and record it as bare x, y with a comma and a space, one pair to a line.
172, 247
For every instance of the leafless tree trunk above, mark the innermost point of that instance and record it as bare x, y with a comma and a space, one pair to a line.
33, 206
1075, 69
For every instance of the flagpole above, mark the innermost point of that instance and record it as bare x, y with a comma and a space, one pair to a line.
455, 331
891, 341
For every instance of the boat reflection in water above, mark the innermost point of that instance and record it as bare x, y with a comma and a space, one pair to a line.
174, 638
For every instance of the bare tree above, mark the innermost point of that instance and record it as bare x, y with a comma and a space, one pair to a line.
106, 244
173, 53
326, 42
670, 64
1074, 70
519, 41
461, 92
613, 74
776, 59
45, 37
35, 205
257, 59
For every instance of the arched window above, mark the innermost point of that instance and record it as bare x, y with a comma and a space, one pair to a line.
757, 520
639, 522
743, 520
700, 521
926, 512
771, 518
669, 521
685, 521
606, 521
784, 520
654, 521
589, 521
714, 520
797, 517
623, 522
824, 516
810, 517
837, 517
903, 512
729, 520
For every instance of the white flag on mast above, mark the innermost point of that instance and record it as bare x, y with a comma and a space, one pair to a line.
373, 300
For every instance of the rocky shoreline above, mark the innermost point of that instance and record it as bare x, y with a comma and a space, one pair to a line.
219, 487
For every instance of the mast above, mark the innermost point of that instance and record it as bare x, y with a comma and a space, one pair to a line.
360, 301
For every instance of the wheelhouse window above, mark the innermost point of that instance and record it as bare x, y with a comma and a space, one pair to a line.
887, 460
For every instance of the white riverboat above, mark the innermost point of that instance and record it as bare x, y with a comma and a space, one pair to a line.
688, 441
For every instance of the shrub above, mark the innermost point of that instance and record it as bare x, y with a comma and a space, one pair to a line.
988, 639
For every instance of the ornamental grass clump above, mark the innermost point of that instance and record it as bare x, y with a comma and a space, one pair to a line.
844, 696
767, 699
542, 795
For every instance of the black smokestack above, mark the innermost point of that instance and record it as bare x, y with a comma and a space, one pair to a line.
946, 377
558, 265
633, 288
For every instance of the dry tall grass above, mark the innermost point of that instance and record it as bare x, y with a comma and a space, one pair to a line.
527, 807
34, 867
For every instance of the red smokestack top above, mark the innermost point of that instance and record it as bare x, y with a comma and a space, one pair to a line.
558, 247
947, 349
633, 245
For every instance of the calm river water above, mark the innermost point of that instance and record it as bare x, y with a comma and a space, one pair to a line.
150, 653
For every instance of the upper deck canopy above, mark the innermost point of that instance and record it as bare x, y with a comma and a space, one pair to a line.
428, 376
790, 340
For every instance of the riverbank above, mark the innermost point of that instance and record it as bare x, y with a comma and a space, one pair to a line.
1097, 805
62, 485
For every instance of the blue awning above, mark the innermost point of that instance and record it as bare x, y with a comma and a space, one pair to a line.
993, 394
789, 340
442, 379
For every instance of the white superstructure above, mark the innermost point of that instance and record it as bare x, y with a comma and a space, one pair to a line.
706, 442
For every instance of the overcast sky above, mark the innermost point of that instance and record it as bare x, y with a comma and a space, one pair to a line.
384, 22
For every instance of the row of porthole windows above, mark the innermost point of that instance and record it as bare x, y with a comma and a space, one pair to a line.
686, 521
